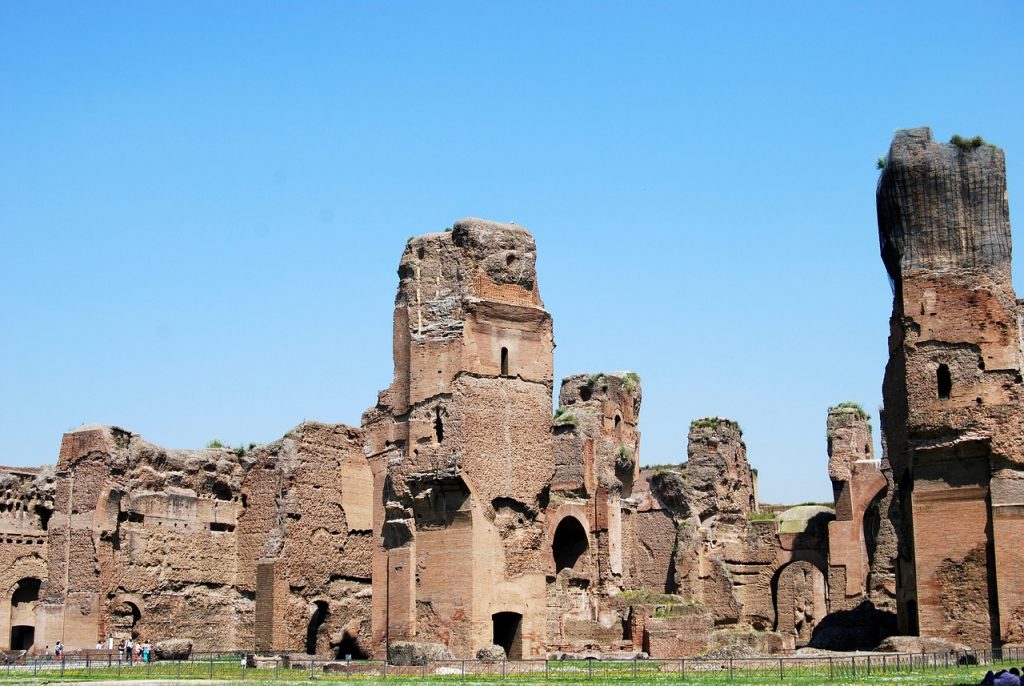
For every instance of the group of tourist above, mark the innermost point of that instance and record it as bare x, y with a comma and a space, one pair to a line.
137, 650
1004, 677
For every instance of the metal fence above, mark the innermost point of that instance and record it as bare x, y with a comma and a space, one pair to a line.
230, 666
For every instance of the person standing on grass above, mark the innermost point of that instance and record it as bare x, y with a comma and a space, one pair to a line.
128, 654
58, 650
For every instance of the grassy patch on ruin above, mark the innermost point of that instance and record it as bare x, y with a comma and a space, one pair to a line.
969, 144
630, 381
761, 516
563, 416
850, 405
714, 423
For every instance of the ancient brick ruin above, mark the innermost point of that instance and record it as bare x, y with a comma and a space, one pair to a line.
953, 390
468, 510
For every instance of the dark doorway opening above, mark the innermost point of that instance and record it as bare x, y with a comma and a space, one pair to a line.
349, 647
504, 361
508, 633
315, 622
873, 525
22, 637
22, 618
569, 544
27, 591
944, 380
913, 628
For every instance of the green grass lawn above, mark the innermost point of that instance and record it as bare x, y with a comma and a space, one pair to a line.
562, 672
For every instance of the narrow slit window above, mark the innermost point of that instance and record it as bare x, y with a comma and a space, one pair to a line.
438, 424
504, 361
944, 380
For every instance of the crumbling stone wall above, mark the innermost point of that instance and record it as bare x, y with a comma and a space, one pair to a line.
719, 553
858, 485
26, 504
154, 543
953, 387
307, 533
460, 445
596, 445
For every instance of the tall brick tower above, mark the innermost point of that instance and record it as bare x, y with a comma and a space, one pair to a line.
460, 445
952, 390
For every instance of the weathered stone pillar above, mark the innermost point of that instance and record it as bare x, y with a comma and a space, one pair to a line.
953, 389
856, 483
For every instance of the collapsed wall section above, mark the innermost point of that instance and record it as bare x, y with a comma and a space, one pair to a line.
152, 544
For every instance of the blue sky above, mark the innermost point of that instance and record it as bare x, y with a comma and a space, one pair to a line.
202, 205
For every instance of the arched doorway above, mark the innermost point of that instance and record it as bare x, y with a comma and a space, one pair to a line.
317, 618
799, 597
508, 633
124, 620
569, 544
24, 597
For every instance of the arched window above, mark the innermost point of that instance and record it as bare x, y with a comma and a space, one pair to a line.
944, 381
504, 361
569, 544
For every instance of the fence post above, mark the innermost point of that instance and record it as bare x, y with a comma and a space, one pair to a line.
730, 669
62, 665
590, 669
781, 671
211, 665
463, 670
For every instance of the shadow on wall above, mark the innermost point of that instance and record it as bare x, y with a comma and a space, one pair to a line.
861, 628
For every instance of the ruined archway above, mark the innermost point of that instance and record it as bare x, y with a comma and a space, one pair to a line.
124, 620
24, 597
508, 633
569, 544
318, 616
798, 594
